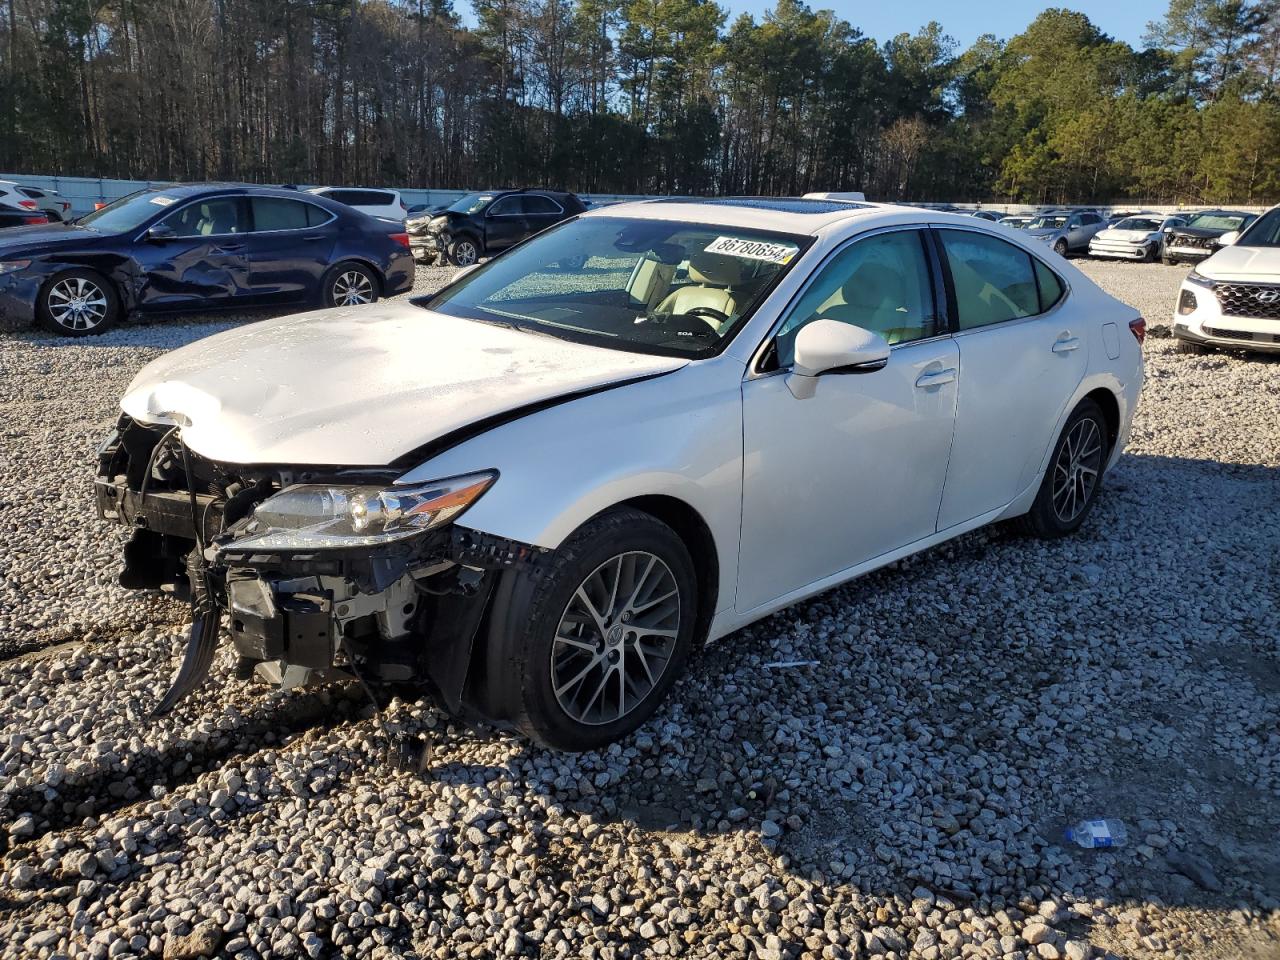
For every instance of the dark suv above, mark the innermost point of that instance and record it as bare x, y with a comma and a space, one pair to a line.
482, 224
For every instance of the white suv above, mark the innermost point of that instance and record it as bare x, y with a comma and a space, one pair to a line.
49, 202
385, 204
1232, 299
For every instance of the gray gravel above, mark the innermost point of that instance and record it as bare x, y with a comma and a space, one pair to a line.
904, 796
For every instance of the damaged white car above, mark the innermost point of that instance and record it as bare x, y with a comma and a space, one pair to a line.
540, 489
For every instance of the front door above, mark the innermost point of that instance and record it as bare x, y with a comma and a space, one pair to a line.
856, 470
505, 223
1021, 360
204, 263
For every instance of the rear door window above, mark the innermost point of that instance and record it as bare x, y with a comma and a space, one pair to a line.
276, 213
539, 206
994, 280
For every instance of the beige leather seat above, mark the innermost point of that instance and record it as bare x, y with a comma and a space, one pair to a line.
875, 298
715, 279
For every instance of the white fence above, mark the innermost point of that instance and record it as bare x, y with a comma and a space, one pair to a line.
84, 192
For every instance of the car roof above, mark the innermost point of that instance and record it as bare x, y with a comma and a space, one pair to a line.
794, 215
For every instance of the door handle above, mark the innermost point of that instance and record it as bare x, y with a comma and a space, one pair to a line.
314, 237
936, 378
1066, 343
230, 247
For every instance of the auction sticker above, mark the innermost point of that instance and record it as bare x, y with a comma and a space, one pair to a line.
162, 201
753, 249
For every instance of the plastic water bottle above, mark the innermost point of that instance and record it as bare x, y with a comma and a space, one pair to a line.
1092, 834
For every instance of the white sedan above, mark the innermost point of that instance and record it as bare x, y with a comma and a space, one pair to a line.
540, 489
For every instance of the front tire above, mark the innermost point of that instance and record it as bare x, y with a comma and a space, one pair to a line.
78, 303
350, 284
463, 251
1074, 477
1060, 247
582, 651
1169, 261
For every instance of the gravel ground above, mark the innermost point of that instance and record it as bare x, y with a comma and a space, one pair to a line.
903, 796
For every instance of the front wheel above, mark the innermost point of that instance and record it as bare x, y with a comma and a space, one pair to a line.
463, 252
1060, 247
582, 651
78, 303
1071, 483
350, 285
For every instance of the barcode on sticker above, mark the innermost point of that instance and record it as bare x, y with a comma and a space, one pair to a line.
752, 249
162, 201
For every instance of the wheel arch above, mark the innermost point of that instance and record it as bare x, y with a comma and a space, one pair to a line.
1105, 399
695, 533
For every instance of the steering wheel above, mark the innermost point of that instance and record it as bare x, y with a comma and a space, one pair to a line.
705, 314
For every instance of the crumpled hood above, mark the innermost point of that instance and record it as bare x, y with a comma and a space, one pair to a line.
361, 386
1243, 263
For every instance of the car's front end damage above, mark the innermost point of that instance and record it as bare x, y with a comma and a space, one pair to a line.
316, 574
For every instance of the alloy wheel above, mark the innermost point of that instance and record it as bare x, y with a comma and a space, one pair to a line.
352, 288
76, 303
1075, 472
466, 253
616, 637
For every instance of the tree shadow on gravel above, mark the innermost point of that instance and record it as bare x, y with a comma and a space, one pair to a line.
970, 703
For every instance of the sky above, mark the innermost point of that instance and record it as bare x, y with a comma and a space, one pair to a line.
966, 20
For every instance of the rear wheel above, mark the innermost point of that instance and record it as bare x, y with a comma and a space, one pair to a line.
350, 285
1071, 483
583, 651
78, 303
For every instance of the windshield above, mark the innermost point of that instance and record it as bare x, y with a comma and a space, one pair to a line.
470, 203
1138, 223
127, 212
652, 286
1265, 231
1047, 223
1216, 221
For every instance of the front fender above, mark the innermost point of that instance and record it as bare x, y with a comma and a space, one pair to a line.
678, 435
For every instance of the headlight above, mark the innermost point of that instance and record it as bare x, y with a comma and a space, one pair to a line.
13, 266
1199, 279
315, 516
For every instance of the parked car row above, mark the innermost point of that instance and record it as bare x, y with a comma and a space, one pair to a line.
480, 225
35, 200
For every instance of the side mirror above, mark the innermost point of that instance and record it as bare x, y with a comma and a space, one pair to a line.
830, 347
160, 233
1229, 238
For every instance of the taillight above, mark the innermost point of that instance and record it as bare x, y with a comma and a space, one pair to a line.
33, 221
402, 239
1139, 329
28, 204
65, 206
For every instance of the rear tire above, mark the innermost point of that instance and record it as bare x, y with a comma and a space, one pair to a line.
349, 284
1074, 476
78, 303
572, 663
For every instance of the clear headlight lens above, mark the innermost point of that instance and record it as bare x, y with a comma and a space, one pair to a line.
316, 516
1199, 279
13, 266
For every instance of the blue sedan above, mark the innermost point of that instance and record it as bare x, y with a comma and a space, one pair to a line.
198, 247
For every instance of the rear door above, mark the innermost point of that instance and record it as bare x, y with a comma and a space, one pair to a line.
205, 262
1021, 358
290, 248
542, 211
505, 223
